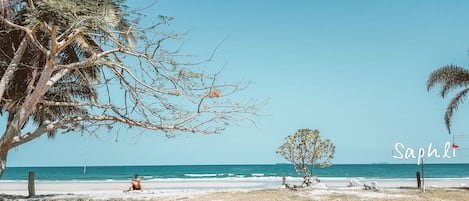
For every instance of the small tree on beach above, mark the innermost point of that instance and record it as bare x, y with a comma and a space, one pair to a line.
79, 66
305, 150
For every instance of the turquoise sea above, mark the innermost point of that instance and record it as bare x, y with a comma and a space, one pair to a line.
232, 172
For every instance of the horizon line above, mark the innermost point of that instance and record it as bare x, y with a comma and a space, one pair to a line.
227, 164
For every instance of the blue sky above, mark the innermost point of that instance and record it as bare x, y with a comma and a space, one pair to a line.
355, 70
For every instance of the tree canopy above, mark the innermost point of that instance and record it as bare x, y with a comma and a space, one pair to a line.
82, 66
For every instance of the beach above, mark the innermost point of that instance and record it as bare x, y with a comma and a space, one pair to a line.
223, 189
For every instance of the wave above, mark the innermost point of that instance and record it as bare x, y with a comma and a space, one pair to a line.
201, 175
237, 178
12, 181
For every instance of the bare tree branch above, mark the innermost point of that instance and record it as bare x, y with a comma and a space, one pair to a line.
29, 33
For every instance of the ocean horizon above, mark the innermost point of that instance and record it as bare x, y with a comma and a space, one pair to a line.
243, 172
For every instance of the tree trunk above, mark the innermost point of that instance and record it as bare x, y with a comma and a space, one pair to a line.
15, 62
5, 140
303, 168
3, 162
312, 168
28, 106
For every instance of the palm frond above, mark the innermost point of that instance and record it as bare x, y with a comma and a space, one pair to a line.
449, 77
453, 105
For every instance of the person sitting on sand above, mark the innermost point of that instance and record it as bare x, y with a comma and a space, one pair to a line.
135, 184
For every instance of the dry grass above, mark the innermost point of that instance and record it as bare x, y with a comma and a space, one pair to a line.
300, 195
334, 194
268, 194
438, 194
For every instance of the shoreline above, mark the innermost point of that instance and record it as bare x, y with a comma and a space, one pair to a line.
170, 189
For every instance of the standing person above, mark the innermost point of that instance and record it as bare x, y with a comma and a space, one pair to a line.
136, 183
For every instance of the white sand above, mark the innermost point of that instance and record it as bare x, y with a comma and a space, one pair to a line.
112, 189
187, 188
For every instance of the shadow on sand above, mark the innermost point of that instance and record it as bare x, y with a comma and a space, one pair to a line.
36, 197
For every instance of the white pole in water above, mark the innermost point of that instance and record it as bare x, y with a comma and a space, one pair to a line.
84, 168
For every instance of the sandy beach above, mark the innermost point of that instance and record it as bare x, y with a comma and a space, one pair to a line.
389, 189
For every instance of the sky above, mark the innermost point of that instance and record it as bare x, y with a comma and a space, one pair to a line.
355, 70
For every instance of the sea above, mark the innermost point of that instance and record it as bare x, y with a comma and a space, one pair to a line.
232, 172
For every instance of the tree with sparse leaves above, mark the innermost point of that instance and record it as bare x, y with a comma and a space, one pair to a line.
305, 150
82, 66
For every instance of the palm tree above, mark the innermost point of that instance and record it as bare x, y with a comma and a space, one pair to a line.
104, 14
450, 77
97, 20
